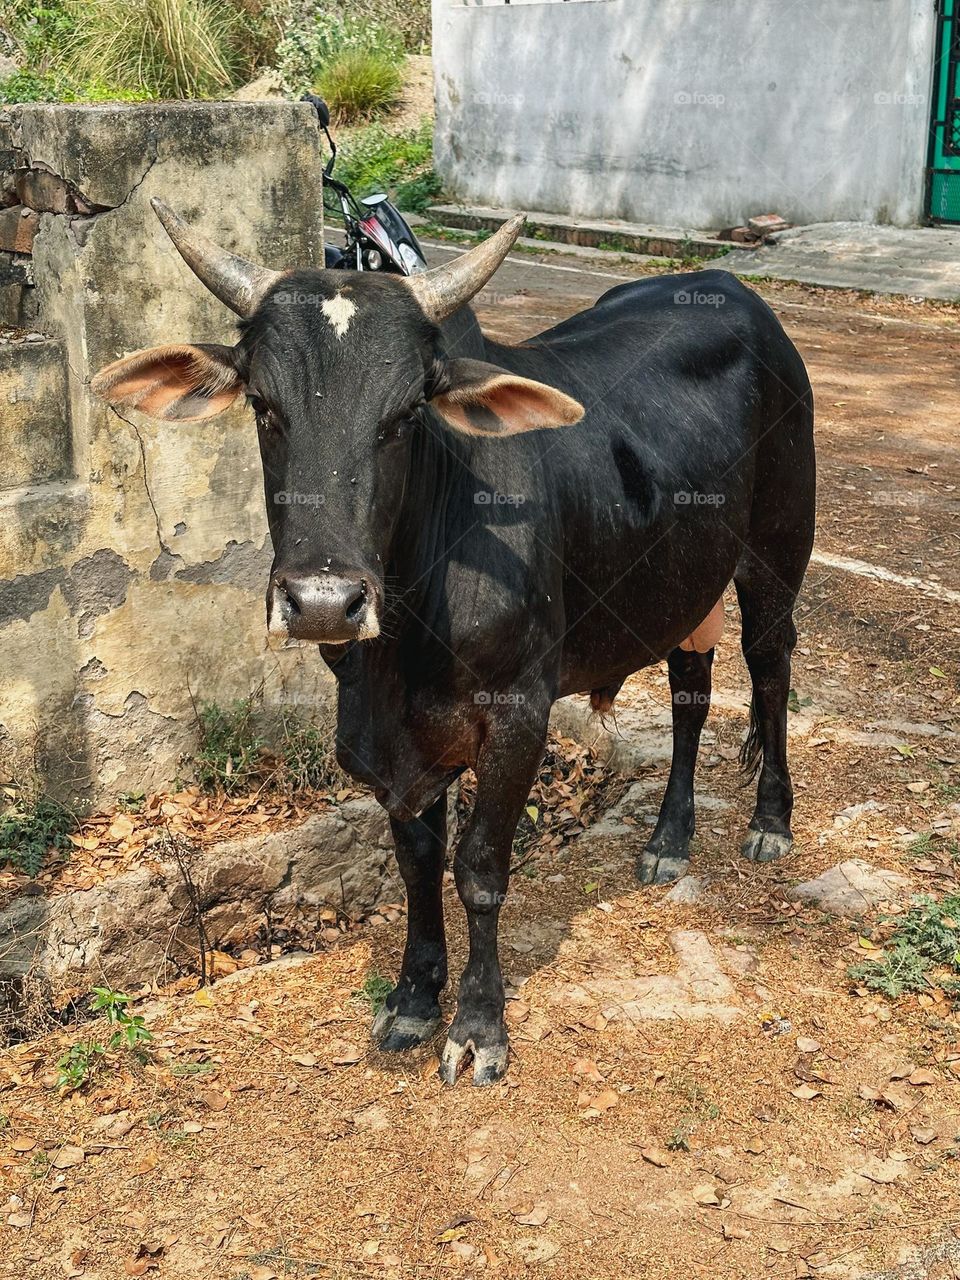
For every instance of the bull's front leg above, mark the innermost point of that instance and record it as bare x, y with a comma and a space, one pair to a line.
411, 1012
505, 772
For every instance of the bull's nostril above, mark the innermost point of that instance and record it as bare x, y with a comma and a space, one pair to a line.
288, 595
356, 602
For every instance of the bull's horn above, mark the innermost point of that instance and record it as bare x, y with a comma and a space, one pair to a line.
442, 290
238, 284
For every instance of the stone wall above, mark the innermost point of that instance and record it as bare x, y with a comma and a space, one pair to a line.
687, 113
133, 555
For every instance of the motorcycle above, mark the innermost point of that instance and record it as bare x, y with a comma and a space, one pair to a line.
377, 235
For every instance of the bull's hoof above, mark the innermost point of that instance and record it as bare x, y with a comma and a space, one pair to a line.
395, 1031
661, 868
489, 1061
665, 858
766, 846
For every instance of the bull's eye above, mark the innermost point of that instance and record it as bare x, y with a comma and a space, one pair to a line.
395, 430
262, 412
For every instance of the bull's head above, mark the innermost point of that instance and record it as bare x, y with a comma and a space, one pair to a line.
339, 368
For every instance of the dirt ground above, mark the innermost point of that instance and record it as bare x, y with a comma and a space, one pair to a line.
696, 1088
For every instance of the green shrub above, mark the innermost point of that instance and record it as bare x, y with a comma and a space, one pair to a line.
230, 753
926, 935
37, 30
409, 20
32, 824
373, 159
305, 757
360, 84
160, 48
31, 86
323, 38
238, 752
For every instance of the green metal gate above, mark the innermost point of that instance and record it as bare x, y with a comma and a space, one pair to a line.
943, 186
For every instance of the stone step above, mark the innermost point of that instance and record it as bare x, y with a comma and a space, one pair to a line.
630, 237
34, 433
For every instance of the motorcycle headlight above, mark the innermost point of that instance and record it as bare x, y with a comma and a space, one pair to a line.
374, 259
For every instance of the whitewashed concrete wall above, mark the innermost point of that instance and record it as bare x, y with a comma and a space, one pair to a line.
693, 113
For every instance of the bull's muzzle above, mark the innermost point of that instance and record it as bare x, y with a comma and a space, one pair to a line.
324, 608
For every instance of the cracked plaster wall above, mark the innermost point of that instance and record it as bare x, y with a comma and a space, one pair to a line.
139, 578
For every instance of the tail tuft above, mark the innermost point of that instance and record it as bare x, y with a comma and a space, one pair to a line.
751, 753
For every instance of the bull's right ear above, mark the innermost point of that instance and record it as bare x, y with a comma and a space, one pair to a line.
176, 383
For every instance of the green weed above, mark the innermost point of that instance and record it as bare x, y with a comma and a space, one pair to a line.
925, 937
130, 1030
77, 1066
372, 159
32, 824
374, 992
229, 756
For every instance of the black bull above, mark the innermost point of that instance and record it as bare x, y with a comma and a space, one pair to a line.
463, 564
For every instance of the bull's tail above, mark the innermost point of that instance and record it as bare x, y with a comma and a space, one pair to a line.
751, 753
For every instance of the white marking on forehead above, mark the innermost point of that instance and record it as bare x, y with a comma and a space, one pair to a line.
339, 311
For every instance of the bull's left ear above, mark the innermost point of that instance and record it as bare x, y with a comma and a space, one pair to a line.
176, 383
482, 400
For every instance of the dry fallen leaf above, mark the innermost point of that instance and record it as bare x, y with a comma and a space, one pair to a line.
755, 1146
654, 1156
23, 1145
923, 1136
213, 1099
922, 1077
305, 1059
806, 1045
880, 1174
68, 1157
588, 1069
805, 1093
262, 1273
735, 1233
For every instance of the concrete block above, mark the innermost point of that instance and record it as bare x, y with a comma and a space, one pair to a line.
34, 437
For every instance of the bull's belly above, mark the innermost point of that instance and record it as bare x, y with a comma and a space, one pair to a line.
645, 614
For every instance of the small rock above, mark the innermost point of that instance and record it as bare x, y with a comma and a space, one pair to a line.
851, 888
687, 890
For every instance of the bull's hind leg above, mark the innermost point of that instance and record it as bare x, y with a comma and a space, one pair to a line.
769, 635
411, 1012
667, 855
